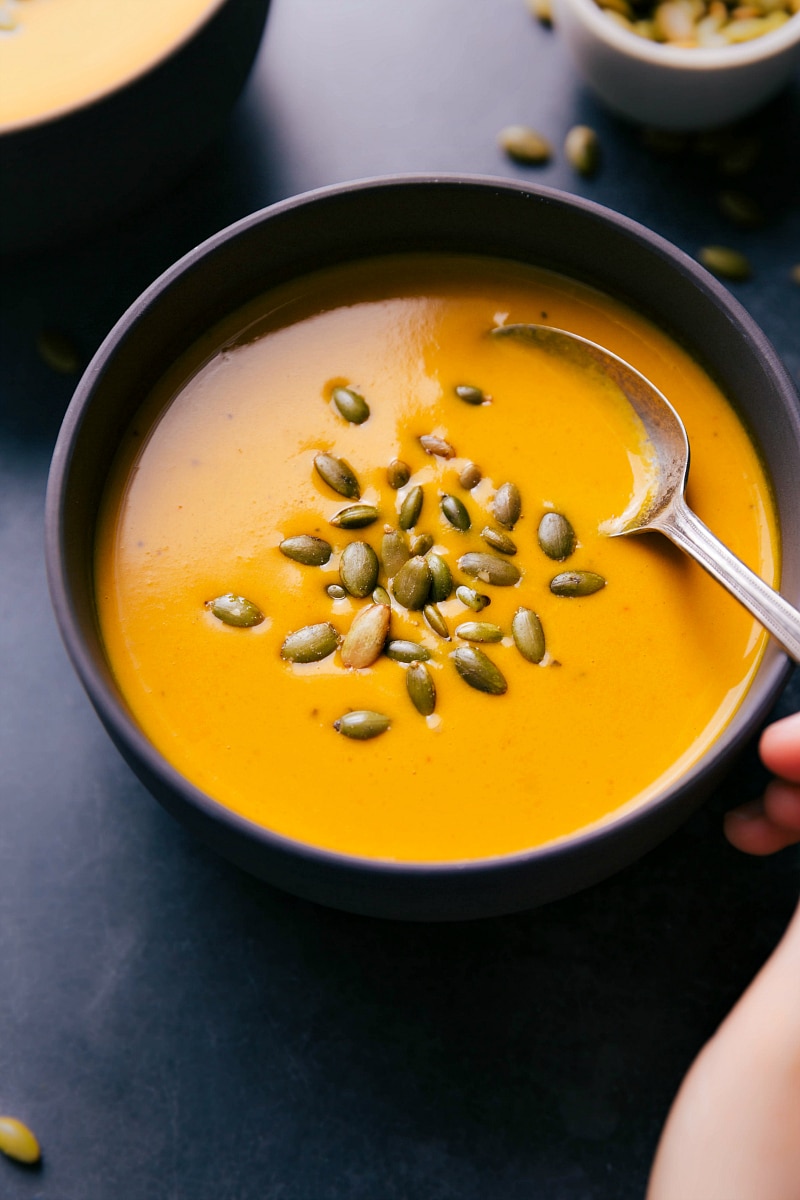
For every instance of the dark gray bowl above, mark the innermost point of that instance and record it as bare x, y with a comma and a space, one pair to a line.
63, 175
484, 216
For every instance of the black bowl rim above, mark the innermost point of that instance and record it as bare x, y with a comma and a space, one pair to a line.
771, 675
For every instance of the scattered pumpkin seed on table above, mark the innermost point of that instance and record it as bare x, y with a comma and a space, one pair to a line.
19, 1142
723, 261
524, 144
582, 149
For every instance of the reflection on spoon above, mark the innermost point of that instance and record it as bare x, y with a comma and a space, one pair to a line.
658, 503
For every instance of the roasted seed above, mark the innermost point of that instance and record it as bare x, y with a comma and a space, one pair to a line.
381, 596
355, 516
351, 404
528, 635
435, 619
478, 670
437, 446
524, 144
338, 475
236, 611
582, 149
556, 536
456, 512
366, 636
19, 1142
542, 10
472, 599
470, 476
441, 578
336, 591
358, 568
312, 643
498, 541
398, 473
404, 651
577, 583
305, 549
412, 583
421, 688
394, 551
479, 631
507, 505
471, 395
723, 261
490, 569
362, 724
422, 544
411, 507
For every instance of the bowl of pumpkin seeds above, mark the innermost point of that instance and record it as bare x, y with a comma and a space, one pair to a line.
682, 65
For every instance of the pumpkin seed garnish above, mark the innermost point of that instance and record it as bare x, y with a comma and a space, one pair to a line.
362, 724
507, 505
577, 583
500, 572
305, 549
365, 638
412, 583
477, 669
422, 543
437, 446
524, 144
582, 149
556, 536
312, 643
725, 262
381, 596
235, 610
470, 476
19, 1142
471, 395
336, 591
441, 578
455, 512
435, 619
398, 473
411, 507
472, 599
404, 651
528, 635
338, 475
498, 541
351, 404
479, 631
358, 568
421, 688
394, 551
355, 516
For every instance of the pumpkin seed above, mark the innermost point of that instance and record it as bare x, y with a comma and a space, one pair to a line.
312, 643
498, 541
17, 1141
355, 516
437, 446
336, 591
362, 724
740, 209
435, 619
507, 505
358, 568
235, 610
479, 631
471, 395
455, 512
398, 473
441, 578
528, 635
412, 583
411, 507
472, 599
470, 476
404, 651
478, 670
394, 551
422, 544
577, 583
338, 475
556, 536
725, 262
490, 569
381, 596
365, 638
421, 688
305, 549
59, 351
582, 149
794, 273
351, 404
524, 144
542, 10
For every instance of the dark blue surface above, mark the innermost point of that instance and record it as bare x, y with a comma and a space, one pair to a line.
174, 1030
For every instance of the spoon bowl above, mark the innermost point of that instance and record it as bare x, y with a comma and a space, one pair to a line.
660, 504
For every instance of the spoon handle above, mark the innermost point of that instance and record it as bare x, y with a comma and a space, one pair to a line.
778, 617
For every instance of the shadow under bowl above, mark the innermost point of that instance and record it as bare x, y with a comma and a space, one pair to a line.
461, 215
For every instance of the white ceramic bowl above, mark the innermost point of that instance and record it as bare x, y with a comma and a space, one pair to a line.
671, 87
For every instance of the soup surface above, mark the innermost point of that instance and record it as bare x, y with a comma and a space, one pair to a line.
58, 53
637, 678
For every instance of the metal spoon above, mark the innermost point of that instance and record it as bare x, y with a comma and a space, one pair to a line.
663, 507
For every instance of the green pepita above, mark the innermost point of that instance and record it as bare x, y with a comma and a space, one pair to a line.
582, 149
394, 551
498, 541
338, 475
362, 724
235, 610
355, 516
404, 651
577, 583
490, 569
437, 446
556, 536
524, 144
398, 473
336, 591
470, 476
441, 578
312, 643
472, 599
19, 1142
479, 631
351, 404
740, 209
411, 507
422, 543
381, 596
507, 505
436, 621
421, 688
528, 635
455, 511
478, 670
365, 638
358, 568
305, 549
471, 395
412, 583
723, 261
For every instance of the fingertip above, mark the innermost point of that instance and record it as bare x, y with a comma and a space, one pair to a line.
779, 747
782, 805
749, 829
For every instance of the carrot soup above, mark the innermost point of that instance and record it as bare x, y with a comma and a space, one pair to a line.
352, 581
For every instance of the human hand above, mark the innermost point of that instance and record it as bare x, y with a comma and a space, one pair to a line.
772, 822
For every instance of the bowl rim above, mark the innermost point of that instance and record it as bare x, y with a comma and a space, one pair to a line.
685, 58
51, 115
770, 676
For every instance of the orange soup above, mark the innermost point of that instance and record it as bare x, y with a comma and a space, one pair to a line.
260, 485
